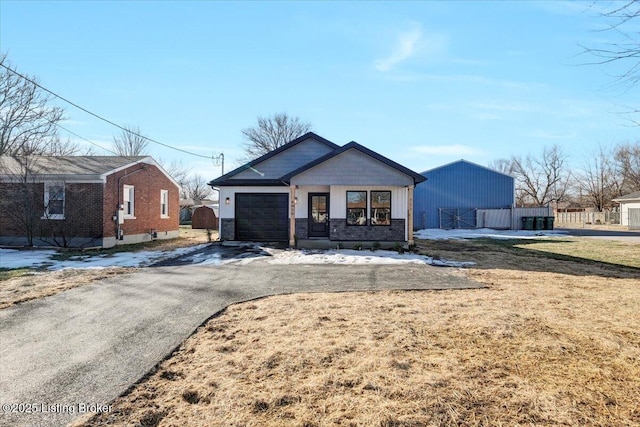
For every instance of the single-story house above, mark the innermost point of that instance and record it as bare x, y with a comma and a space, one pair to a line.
86, 201
452, 194
630, 210
311, 188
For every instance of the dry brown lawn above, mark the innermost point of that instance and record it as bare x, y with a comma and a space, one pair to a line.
554, 340
26, 284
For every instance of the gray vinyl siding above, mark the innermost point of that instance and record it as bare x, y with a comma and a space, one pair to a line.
286, 161
352, 168
460, 185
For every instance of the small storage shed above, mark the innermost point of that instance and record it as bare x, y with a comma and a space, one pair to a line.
453, 192
205, 217
630, 210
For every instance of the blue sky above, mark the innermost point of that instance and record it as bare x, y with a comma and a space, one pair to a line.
423, 83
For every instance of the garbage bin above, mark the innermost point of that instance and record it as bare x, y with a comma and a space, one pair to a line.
548, 222
538, 223
527, 223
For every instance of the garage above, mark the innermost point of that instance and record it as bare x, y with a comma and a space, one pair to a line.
262, 217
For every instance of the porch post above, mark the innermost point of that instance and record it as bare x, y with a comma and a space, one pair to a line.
292, 215
410, 216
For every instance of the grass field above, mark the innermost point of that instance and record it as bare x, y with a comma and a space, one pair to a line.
553, 340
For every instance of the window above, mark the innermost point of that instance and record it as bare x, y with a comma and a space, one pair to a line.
356, 208
54, 201
381, 207
128, 197
164, 203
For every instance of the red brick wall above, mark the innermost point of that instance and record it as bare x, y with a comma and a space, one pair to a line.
148, 180
16, 201
82, 210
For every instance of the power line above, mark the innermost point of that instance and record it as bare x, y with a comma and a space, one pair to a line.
100, 117
85, 139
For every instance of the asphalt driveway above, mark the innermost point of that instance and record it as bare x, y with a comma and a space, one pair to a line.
621, 235
74, 352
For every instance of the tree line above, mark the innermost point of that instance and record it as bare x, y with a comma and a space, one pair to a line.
547, 177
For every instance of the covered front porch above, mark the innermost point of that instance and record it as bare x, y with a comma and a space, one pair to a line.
323, 215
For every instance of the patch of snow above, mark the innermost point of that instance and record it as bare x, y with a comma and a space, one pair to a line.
12, 258
486, 233
351, 257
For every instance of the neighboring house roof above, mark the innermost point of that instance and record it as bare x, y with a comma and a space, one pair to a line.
468, 163
228, 180
72, 168
354, 145
224, 179
631, 197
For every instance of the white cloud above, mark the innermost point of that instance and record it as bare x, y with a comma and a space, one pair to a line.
447, 150
408, 44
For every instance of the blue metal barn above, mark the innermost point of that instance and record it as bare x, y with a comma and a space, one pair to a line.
452, 193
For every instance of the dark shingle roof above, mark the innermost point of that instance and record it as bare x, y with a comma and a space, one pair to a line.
224, 179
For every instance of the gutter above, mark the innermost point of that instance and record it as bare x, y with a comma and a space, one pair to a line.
118, 229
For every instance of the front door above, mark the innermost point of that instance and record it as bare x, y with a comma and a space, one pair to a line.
318, 214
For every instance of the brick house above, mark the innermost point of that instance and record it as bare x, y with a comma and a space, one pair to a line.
313, 189
86, 201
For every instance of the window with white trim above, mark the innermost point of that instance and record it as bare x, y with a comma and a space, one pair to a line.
54, 201
128, 198
164, 203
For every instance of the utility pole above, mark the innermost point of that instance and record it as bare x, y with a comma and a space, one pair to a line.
219, 160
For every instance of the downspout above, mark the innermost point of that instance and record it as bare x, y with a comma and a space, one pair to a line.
143, 168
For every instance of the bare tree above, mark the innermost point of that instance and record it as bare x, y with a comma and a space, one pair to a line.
272, 132
130, 142
541, 179
624, 49
504, 166
197, 189
21, 199
177, 170
598, 180
54, 212
627, 157
28, 123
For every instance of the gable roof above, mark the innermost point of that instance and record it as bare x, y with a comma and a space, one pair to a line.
226, 177
468, 163
628, 197
78, 168
417, 178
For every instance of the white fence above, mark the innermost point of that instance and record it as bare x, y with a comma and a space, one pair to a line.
588, 217
507, 218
